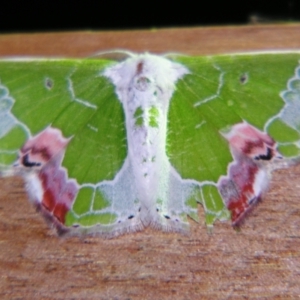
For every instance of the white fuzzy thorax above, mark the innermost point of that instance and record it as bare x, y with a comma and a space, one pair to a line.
146, 82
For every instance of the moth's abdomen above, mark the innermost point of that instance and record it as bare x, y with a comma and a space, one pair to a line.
145, 92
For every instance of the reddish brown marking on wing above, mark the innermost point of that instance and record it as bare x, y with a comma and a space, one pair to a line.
249, 141
237, 189
59, 191
247, 176
43, 155
44, 146
48, 196
60, 212
43, 152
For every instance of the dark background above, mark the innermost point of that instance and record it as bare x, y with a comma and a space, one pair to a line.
44, 15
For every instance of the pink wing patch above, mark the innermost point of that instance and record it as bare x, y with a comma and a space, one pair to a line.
248, 175
47, 181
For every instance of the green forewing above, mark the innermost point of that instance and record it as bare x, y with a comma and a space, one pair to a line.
46, 90
219, 92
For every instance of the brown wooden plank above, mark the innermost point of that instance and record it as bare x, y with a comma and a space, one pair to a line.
262, 261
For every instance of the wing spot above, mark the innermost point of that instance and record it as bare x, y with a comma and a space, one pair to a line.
244, 78
27, 163
267, 156
49, 83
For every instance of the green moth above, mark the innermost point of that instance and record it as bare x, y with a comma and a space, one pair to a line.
111, 147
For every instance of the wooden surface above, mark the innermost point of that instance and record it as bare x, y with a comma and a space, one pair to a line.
261, 261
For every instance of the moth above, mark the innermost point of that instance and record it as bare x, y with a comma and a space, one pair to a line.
108, 147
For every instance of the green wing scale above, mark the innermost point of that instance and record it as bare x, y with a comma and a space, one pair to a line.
111, 147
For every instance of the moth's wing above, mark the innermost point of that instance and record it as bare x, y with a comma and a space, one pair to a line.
62, 128
222, 98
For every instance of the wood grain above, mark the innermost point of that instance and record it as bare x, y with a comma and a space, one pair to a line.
261, 261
